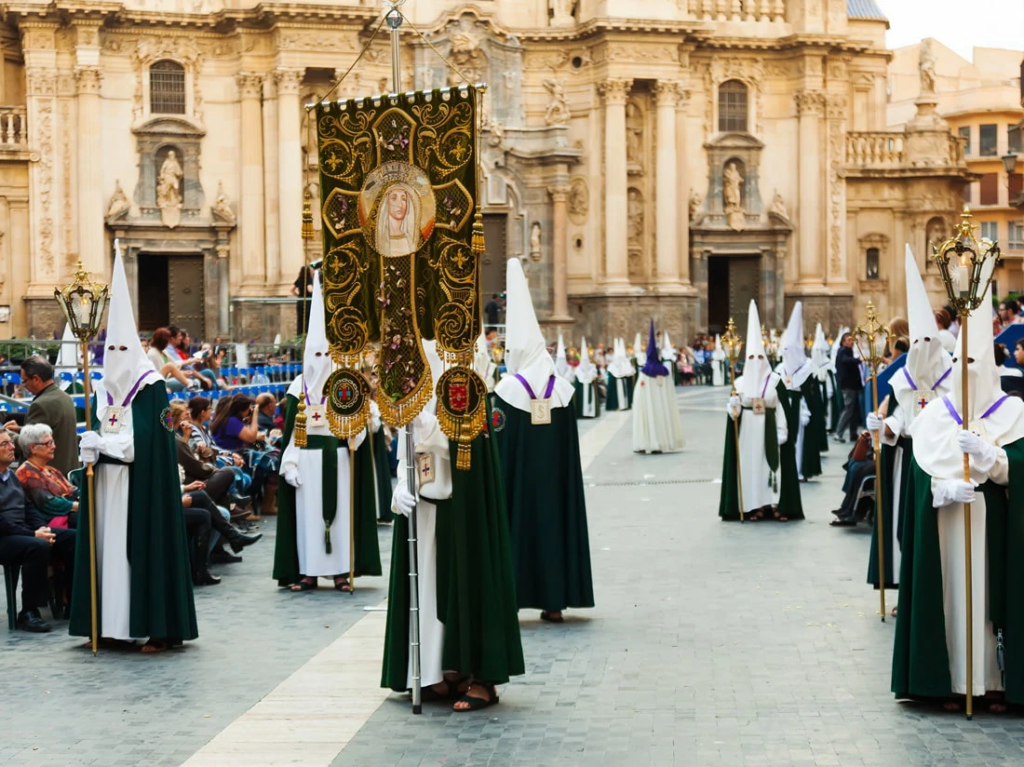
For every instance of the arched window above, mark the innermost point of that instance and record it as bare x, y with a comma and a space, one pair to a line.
732, 107
872, 263
167, 88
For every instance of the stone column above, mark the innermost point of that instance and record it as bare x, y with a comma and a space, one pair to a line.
270, 185
810, 106
681, 210
616, 233
559, 195
250, 213
90, 172
289, 126
666, 186
223, 287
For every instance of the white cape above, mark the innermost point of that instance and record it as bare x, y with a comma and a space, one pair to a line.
657, 426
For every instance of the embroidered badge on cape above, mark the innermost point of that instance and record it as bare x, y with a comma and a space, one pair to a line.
166, 419
497, 419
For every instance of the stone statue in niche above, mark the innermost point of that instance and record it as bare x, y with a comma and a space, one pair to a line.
535, 241
936, 235
119, 203
732, 196
168, 191
561, 13
578, 201
635, 211
220, 209
634, 135
557, 112
779, 206
926, 66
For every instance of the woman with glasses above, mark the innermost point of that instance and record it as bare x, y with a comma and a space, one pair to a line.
48, 489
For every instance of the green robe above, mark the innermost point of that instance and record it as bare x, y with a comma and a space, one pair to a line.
286, 551
547, 508
161, 589
890, 505
476, 598
611, 400
822, 432
578, 399
382, 476
790, 503
810, 461
920, 663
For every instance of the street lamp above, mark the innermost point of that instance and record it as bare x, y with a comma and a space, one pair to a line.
1009, 163
82, 303
966, 265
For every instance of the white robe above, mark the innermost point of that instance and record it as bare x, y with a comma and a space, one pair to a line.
589, 403
718, 359
622, 387
657, 426
314, 561
113, 571
432, 441
755, 475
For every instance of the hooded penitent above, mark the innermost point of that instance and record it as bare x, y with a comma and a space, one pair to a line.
653, 367
585, 371
820, 353
124, 362
795, 367
668, 352
619, 367
316, 360
756, 367
561, 362
927, 361
526, 353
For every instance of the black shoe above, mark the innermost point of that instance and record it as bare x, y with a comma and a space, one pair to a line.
239, 541
204, 577
31, 620
241, 502
220, 557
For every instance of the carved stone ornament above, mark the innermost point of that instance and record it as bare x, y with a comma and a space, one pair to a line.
696, 200
732, 196
561, 13
220, 209
168, 191
557, 112
810, 102
579, 200
535, 241
180, 49
119, 204
614, 90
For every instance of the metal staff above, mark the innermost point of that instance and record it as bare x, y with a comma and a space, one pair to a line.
352, 518
82, 303
733, 343
394, 20
966, 267
872, 337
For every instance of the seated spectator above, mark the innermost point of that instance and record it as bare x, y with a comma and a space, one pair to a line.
217, 481
235, 427
168, 364
861, 464
198, 362
54, 497
203, 519
52, 406
266, 406
28, 542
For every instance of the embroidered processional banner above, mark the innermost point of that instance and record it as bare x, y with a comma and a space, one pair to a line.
402, 237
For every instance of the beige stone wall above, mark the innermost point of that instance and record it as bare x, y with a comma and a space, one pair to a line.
602, 131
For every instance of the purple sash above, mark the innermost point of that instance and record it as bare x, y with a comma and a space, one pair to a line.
529, 389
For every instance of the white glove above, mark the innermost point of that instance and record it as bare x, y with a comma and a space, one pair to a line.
805, 418
984, 454
947, 491
89, 455
875, 422
375, 421
291, 476
91, 440
783, 436
404, 501
734, 406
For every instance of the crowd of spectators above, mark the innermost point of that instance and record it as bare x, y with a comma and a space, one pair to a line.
228, 454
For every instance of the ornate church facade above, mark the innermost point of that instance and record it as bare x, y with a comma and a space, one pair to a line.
672, 166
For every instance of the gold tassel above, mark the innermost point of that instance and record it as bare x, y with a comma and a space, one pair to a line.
307, 216
478, 234
300, 422
465, 454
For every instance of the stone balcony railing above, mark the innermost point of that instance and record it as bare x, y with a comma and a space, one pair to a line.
874, 149
13, 129
738, 10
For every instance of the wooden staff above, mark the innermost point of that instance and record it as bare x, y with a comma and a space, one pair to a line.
969, 573
90, 490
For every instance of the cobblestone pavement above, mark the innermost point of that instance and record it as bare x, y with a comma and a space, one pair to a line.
711, 644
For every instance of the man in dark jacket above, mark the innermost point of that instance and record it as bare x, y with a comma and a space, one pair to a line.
26, 541
53, 407
849, 379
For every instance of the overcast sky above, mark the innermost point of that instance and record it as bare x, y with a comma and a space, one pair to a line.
958, 24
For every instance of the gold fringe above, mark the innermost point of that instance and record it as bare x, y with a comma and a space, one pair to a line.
300, 422
307, 216
350, 426
465, 454
478, 246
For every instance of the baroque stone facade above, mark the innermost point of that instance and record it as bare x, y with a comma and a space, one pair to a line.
673, 166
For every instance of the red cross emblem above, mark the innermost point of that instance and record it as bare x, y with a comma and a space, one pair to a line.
346, 393
112, 420
922, 402
316, 416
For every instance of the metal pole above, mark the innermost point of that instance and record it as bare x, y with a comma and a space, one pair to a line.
394, 20
969, 579
352, 518
376, 494
879, 517
90, 484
